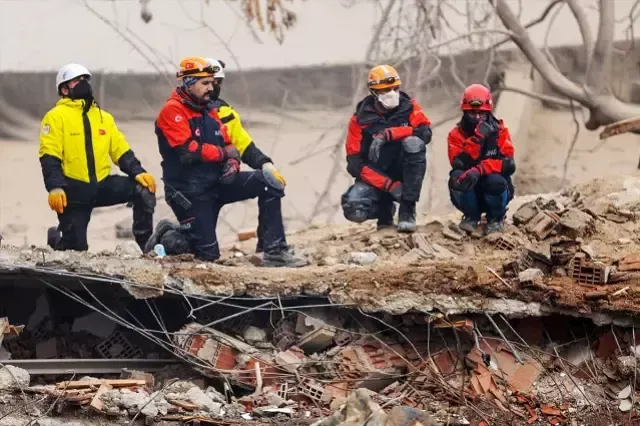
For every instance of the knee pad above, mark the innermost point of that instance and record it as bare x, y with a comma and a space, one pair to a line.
175, 242
356, 210
274, 187
146, 198
414, 145
495, 184
355, 215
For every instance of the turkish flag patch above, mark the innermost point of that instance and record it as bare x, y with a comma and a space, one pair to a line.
102, 132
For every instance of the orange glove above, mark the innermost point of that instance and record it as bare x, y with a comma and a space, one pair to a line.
146, 180
57, 200
271, 168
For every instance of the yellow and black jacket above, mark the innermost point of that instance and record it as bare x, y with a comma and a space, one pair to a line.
250, 153
80, 145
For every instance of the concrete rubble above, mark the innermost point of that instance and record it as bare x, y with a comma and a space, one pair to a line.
533, 325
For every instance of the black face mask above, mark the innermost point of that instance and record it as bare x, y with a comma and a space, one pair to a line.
469, 123
83, 91
216, 92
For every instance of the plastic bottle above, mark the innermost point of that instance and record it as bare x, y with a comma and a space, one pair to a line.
159, 250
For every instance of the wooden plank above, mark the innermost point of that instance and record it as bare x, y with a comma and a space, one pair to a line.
96, 402
116, 383
182, 404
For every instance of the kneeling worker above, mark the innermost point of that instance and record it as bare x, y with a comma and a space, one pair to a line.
201, 171
78, 142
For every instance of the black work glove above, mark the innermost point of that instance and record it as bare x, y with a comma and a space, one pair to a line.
484, 129
468, 180
394, 188
230, 171
376, 146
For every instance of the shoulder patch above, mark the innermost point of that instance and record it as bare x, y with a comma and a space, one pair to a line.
228, 118
46, 129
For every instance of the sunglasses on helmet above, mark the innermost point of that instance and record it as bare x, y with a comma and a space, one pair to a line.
388, 80
475, 103
209, 69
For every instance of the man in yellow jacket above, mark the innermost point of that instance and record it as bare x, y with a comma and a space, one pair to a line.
78, 143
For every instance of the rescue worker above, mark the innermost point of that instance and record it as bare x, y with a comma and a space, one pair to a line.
250, 154
386, 153
201, 170
481, 156
78, 142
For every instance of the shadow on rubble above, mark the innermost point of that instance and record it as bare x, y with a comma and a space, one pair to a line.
302, 358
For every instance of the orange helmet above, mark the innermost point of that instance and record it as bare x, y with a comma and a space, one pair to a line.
476, 97
383, 77
195, 66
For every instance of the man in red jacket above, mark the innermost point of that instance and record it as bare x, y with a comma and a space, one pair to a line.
386, 153
481, 157
201, 171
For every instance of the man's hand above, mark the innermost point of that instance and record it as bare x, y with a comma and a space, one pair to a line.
376, 146
57, 200
395, 190
230, 171
146, 180
230, 151
269, 167
468, 180
484, 129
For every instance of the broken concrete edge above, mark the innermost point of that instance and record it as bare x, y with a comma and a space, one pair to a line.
410, 289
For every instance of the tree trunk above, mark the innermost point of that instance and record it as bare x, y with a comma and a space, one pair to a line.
596, 95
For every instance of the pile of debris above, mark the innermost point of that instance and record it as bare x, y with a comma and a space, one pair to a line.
558, 246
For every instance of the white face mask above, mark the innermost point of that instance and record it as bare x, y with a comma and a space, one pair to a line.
390, 100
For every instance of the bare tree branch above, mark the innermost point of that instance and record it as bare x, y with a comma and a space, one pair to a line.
565, 167
541, 97
559, 82
600, 65
585, 30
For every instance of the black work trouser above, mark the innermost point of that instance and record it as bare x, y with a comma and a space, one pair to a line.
82, 198
405, 161
199, 216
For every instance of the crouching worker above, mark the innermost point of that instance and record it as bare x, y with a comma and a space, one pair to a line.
386, 154
78, 142
481, 157
201, 172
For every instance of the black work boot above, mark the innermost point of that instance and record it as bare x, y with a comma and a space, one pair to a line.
494, 226
53, 237
469, 225
161, 228
281, 258
407, 216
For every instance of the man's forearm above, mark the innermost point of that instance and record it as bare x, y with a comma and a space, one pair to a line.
130, 165
52, 172
254, 157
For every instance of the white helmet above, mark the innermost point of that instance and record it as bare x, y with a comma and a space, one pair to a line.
221, 65
69, 72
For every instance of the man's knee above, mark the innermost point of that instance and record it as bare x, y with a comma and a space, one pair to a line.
414, 145
358, 202
175, 242
494, 184
454, 175
145, 199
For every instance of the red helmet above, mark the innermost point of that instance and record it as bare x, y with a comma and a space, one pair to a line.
476, 97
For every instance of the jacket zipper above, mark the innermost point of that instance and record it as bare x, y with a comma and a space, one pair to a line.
88, 146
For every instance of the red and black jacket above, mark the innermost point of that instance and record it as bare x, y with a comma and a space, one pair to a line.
406, 120
192, 141
494, 155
